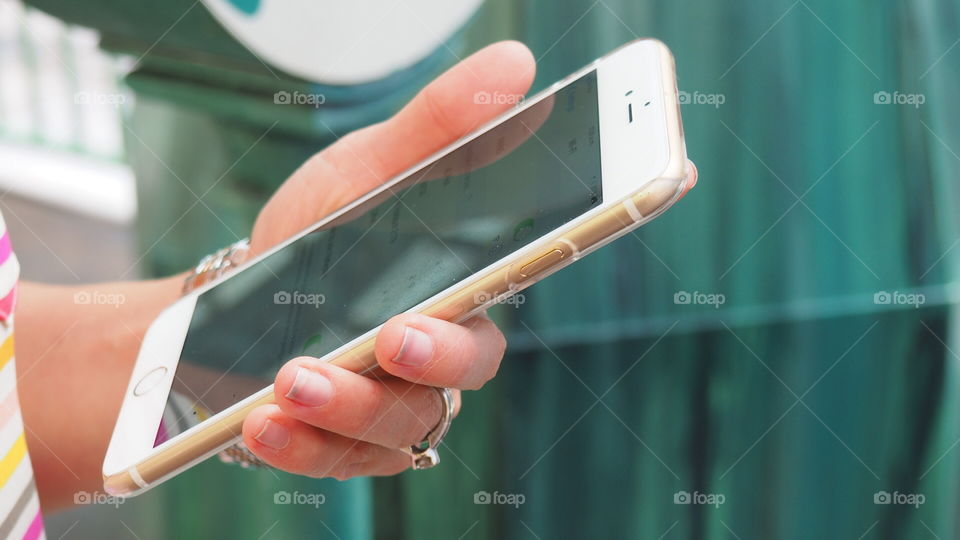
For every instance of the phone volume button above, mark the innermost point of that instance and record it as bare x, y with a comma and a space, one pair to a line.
541, 264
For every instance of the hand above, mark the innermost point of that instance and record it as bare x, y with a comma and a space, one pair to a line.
328, 421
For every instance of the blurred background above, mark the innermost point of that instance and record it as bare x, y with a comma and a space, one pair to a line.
776, 357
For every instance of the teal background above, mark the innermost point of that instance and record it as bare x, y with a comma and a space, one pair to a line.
796, 400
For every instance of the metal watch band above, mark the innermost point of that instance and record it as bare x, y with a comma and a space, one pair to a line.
208, 269
216, 264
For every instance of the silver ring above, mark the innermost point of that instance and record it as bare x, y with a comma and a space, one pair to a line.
424, 455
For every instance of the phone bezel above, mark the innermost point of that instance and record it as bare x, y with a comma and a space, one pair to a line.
637, 66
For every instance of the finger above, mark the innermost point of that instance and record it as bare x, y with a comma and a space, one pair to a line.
457, 401
430, 351
448, 108
390, 412
503, 139
442, 112
293, 446
691, 178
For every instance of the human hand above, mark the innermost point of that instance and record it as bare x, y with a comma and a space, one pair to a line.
328, 421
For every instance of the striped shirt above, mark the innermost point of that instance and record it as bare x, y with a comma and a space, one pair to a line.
20, 515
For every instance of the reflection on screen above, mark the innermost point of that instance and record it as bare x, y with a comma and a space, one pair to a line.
490, 197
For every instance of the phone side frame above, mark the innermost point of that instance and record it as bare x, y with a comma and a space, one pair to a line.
573, 240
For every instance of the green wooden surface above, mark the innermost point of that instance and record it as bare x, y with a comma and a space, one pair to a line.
797, 400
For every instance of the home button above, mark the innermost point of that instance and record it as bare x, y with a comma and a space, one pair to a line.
149, 381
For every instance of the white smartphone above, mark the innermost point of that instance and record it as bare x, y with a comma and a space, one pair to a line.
561, 174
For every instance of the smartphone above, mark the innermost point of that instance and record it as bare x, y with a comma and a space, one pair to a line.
559, 175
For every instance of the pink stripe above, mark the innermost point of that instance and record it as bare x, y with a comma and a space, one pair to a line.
9, 406
7, 303
36, 528
5, 248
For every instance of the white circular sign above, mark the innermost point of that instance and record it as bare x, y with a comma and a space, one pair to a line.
345, 42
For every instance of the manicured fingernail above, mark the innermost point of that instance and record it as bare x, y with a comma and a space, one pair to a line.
416, 349
273, 435
310, 388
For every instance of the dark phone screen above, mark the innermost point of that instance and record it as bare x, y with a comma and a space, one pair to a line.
445, 222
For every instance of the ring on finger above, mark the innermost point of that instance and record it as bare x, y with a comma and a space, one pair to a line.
424, 455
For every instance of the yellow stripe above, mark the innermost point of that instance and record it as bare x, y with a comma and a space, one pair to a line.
12, 459
6, 351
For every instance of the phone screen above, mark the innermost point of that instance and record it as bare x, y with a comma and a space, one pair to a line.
445, 222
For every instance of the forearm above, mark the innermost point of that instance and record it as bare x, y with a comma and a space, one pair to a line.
75, 349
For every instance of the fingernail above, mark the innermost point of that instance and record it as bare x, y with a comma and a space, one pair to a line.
310, 388
416, 349
273, 435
